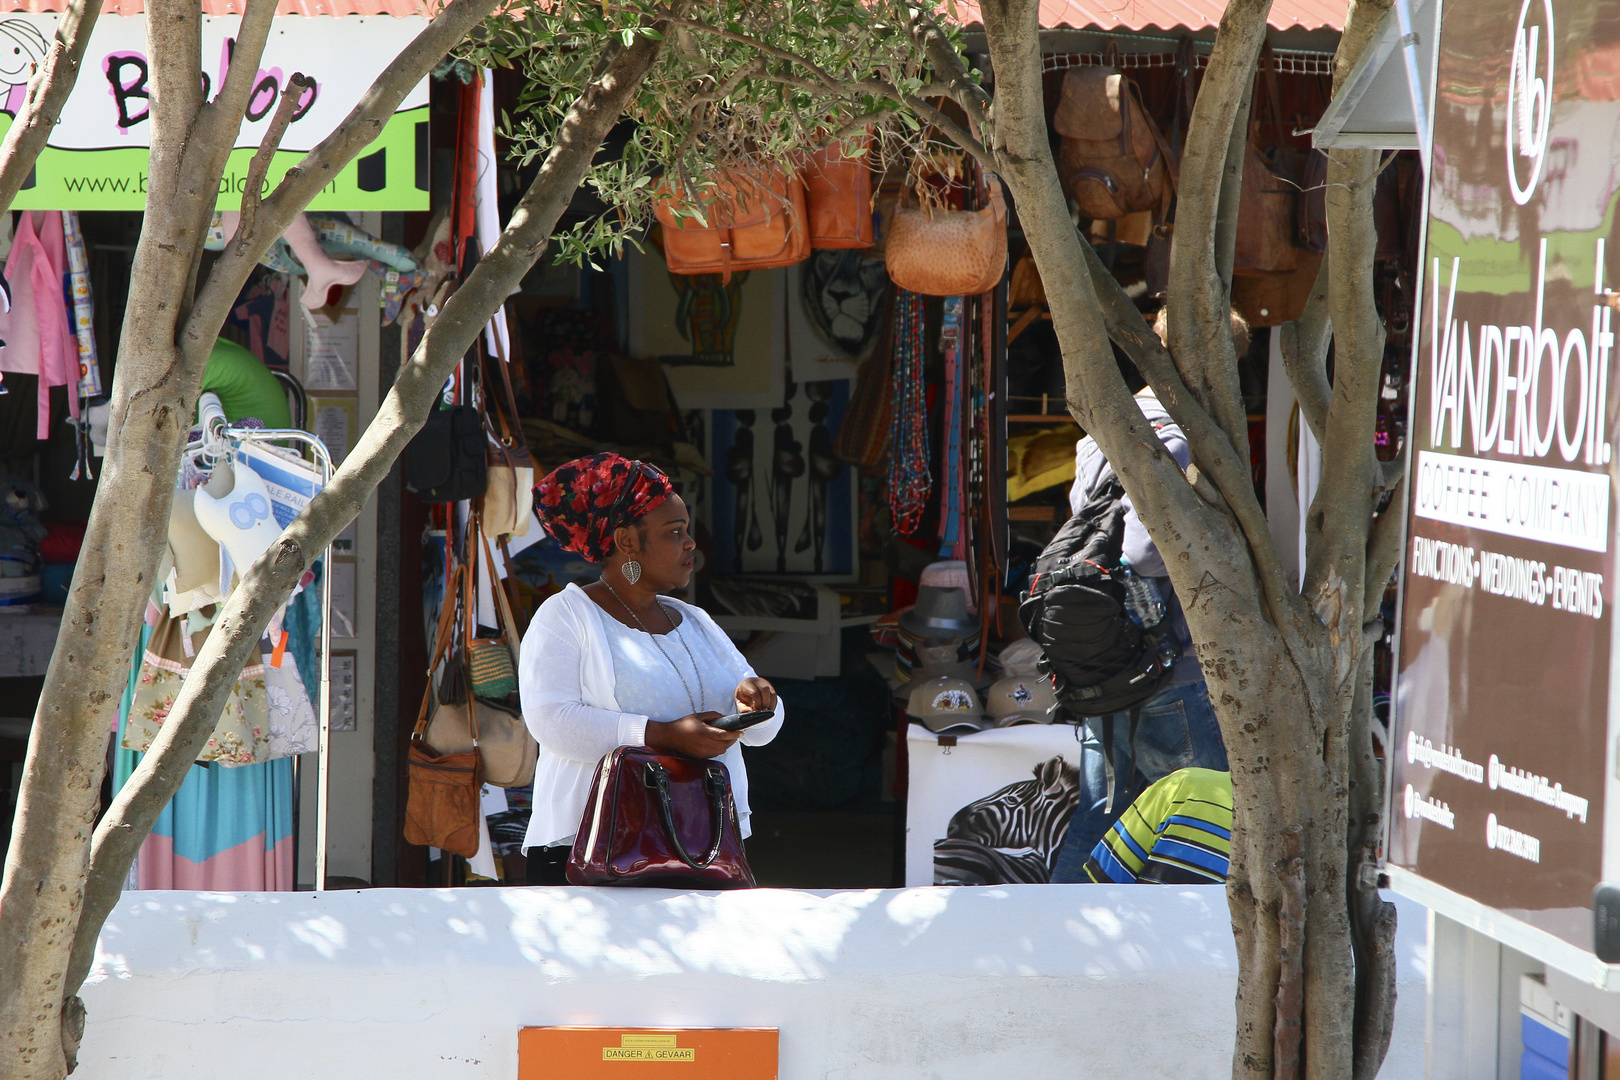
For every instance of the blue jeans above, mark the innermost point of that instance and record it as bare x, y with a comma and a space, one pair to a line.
1177, 730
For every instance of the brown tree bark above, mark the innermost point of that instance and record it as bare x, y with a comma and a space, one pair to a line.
48, 92
163, 349
270, 580
1283, 669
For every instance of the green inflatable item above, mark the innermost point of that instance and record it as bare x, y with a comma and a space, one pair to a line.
245, 386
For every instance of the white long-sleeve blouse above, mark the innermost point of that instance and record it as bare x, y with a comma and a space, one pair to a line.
566, 684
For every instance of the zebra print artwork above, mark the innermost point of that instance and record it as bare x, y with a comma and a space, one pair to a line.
1013, 835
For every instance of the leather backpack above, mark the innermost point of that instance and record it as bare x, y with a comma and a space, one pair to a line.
948, 252
753, 217
838, 195
1114, 161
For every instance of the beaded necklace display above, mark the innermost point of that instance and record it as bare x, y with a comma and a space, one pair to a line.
673, 629
909, 482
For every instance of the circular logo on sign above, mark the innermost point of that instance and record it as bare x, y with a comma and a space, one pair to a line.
1529, 99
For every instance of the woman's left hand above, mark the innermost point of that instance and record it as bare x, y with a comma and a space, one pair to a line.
755, 694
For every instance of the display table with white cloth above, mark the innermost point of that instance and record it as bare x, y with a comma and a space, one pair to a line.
944, 778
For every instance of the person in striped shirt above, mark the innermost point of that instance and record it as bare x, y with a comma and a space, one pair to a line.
1177, 832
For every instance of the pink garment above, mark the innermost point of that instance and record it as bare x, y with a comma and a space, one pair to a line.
37, 331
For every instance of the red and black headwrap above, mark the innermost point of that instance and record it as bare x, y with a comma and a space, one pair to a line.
582, 502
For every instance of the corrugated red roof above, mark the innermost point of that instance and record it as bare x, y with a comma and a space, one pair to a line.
234, 7
1168, 14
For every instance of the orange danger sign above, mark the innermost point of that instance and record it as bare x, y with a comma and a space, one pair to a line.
586, 1053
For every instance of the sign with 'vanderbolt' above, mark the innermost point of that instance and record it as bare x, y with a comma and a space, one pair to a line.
1504, 744
96, 158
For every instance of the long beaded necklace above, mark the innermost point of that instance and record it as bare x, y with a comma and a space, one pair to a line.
909, 482
695, 701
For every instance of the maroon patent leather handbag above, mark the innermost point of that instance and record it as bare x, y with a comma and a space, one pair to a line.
660, 821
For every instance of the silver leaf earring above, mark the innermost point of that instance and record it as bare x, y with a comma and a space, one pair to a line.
631, 571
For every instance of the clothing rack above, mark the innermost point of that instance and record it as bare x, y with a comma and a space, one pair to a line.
217, 436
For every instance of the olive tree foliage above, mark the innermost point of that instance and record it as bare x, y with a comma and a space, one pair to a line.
686, 73
1289, 666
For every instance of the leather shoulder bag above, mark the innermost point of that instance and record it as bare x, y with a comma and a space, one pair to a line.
949, 252
660, 821
755, 220
493, 731
838, 195
442, 802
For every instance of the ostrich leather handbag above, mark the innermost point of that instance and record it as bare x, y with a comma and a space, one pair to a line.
838, 194
753, 219
1113, 161
948, 252
660, 821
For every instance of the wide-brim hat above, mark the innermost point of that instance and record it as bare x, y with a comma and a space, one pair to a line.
940, 612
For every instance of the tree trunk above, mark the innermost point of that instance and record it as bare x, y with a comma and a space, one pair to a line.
155, 386
271, 579
1281, 668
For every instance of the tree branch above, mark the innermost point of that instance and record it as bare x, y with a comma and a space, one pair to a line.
931, 41
1210, 447
1197, 300
1384, 548
48, 92
1304, 355
222, 118
317, 169
268, 582
818, 79
252, 192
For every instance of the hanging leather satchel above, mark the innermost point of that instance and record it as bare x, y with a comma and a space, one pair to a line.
660, 821
509, 490
1114, 160
442, 803
478, 721
1265, 228
753, 218
838, 195
948, 252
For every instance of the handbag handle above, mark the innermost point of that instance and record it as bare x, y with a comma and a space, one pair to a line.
657, 778
502, 608
469, 617
441, 646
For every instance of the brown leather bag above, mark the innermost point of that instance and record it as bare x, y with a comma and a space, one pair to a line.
1274, 299
1265, 228
1114, 161
838, 195
1313, 209
660, 820
495, 733
753, 218
442, 803
948, 252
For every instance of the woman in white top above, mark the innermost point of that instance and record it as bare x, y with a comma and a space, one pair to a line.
616, 664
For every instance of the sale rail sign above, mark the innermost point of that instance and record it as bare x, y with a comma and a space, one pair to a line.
1503, 749
96, 158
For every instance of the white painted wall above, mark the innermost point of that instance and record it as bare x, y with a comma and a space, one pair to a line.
1022, 981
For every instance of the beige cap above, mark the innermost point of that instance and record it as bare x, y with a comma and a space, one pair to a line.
1021, 700
946, 705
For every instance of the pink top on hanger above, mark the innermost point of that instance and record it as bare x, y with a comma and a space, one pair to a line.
38, 334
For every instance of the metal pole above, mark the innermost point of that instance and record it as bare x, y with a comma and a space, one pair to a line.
1414, 77
323, 458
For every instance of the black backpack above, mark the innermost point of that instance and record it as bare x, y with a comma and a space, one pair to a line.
1079, 608
445, 460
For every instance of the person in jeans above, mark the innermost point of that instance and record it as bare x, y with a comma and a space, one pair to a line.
1176, 728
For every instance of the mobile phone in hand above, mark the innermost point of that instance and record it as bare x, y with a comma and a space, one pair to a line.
740, 721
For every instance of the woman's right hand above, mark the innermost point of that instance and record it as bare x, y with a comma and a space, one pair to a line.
690, 735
